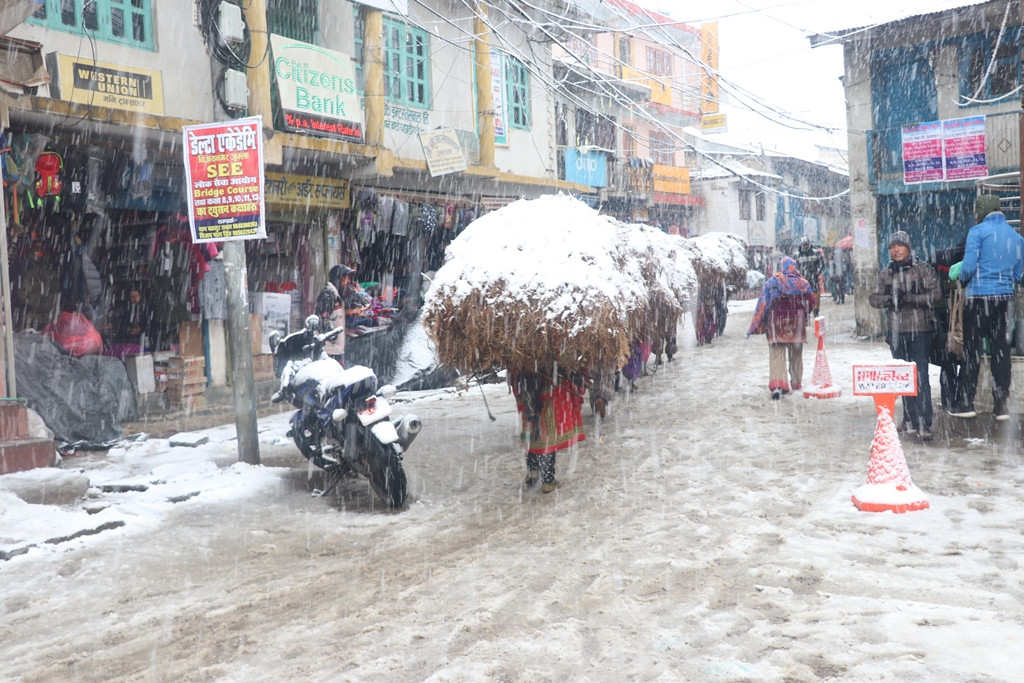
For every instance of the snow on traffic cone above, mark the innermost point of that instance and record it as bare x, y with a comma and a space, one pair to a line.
821, 381
889, 486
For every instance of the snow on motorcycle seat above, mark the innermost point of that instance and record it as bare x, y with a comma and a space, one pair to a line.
318, 371
355, 383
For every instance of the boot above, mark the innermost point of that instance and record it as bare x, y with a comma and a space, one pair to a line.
549, 486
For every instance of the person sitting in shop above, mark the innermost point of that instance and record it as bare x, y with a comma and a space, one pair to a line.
133, 326
340, 298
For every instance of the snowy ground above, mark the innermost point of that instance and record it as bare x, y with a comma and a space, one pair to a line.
702, 533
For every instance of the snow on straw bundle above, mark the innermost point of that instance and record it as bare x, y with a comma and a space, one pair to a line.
667, 273
538, 281
718, 257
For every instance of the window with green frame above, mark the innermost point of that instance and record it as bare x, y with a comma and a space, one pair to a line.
295, 19
517, 79
406, 64
129, 22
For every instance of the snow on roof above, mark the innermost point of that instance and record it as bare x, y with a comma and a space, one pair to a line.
725, 168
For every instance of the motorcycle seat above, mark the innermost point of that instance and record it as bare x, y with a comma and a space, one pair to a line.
354, 382
318, 371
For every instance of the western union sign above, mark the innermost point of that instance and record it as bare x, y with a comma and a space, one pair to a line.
108, 85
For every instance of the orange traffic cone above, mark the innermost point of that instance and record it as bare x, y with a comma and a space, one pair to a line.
889, 486
821, 381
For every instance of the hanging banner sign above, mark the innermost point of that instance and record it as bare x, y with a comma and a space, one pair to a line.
922, 152
224, 179
498, 97
944, 150
964, 148
442, 151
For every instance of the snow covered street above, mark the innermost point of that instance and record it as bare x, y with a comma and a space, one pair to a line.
701, 533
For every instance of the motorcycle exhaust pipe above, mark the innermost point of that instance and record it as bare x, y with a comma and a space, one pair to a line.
408, 427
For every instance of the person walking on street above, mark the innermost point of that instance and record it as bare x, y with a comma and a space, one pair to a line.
909, 288
992, 265
811, 266
550, 413
781, 314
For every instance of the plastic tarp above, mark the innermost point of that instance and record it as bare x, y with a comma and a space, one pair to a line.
82, 400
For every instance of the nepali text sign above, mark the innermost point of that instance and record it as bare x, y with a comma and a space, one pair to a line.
895, 379
442, 151
86, 81
498, 97
922, 152
944, 150
671, 179
318, 90
306, 191
224, 177
964, 148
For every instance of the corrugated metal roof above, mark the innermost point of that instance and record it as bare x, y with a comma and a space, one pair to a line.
831, 37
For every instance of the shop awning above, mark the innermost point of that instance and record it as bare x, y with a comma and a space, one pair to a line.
13, 12
21, 66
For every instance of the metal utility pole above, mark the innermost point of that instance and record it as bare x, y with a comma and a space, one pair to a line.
243, 380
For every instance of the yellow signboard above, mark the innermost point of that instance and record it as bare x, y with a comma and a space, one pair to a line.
86, 81
661, 90
671, 179
709, 59
306, 191
712, 122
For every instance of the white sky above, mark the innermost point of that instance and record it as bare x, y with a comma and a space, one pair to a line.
765, 50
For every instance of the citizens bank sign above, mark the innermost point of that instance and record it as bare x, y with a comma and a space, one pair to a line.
317, 88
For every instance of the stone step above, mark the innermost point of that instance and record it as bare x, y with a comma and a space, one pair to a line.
17, 455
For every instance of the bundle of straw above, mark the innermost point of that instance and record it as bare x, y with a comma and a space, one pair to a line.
535, 283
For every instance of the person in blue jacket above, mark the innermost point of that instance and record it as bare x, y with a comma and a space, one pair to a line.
993, 263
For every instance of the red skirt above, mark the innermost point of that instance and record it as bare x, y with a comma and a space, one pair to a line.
560, 423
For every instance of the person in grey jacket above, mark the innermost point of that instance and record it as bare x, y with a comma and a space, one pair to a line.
908, 288
992, 265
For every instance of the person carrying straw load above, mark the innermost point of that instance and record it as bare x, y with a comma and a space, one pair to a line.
549, 408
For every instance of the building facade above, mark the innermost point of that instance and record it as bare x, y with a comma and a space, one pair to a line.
933, 108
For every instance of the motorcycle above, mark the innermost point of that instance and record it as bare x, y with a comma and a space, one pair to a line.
343, 422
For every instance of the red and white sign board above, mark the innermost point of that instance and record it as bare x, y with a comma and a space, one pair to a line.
894, 379
224, 177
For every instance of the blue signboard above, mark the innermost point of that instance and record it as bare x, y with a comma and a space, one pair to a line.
590, 168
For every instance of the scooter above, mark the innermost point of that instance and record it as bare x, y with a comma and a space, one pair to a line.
343, 422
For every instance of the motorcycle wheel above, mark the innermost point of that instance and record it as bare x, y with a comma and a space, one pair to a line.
387, 476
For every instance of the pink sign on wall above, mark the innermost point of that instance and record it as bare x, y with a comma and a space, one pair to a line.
964, 148
944, 150
922, 152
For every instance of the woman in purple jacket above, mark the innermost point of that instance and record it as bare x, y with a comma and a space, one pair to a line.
781, 314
